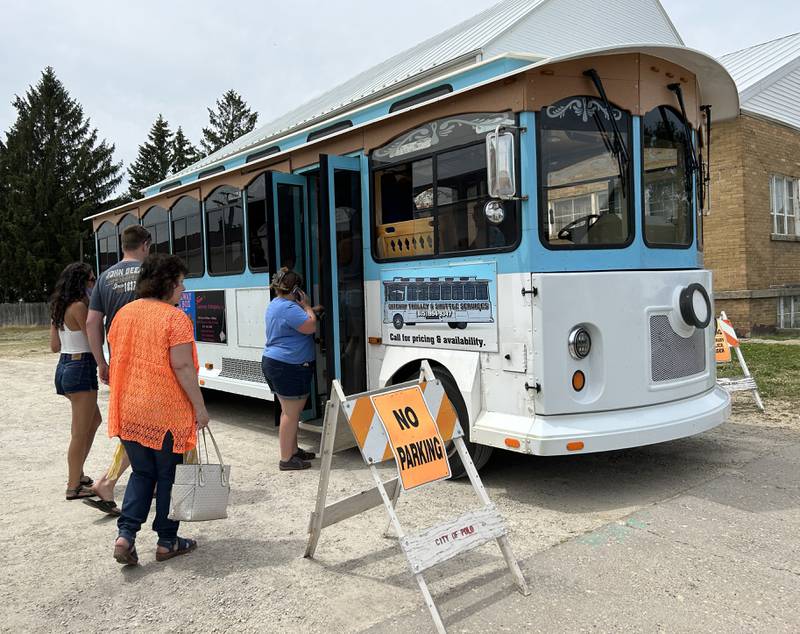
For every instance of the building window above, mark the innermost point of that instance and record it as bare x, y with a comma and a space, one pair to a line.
585, 183
789, 312
156, 221
225, 231
430, 190
107, 246
187, 234
667, 182
784, 205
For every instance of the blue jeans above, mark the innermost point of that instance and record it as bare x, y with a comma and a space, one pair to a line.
150, 467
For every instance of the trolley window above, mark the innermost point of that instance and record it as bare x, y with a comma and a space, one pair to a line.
258, 225
430, 189
187, 234
667, 183
584, 178
156, 221
107, 246
225, 231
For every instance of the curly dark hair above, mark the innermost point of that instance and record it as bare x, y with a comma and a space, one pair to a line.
70, 288
159, 276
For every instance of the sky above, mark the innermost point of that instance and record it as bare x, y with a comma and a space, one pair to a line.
128, 61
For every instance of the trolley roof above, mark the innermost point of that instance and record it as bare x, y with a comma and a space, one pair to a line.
533, 26
716, 87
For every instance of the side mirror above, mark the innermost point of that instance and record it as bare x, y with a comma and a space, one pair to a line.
500, 164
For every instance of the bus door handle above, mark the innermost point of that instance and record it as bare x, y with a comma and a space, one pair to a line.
534, 291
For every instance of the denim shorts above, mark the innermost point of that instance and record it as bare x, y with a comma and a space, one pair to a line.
289, 381
76, 373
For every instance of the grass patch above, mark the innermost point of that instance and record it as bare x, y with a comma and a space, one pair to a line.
17, 341
776, 369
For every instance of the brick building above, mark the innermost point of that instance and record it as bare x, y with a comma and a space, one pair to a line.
752, 234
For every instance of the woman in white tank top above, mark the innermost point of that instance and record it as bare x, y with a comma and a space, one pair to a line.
76, 373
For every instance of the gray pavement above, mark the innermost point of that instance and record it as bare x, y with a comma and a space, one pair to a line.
723, 556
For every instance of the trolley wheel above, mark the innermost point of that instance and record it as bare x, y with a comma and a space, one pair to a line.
461, 325
397, 320
480, 454
452, 324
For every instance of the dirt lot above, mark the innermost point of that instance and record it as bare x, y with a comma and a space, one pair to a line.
644, 539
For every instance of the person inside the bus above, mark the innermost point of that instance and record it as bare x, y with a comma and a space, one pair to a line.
288, 360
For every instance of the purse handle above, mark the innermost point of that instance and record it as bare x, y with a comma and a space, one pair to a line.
223, 480
205, 444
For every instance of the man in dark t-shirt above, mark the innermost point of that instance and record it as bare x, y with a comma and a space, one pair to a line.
115, 287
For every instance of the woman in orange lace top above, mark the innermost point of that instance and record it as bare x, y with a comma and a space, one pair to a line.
155, 406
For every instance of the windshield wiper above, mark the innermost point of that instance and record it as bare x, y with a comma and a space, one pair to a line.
619, 149
691, 154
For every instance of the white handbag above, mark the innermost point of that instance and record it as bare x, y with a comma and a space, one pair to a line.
201, 491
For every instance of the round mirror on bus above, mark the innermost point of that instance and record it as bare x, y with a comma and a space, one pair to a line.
494, 212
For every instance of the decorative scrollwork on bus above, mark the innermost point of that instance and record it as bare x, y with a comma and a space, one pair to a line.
583, 107
443, 132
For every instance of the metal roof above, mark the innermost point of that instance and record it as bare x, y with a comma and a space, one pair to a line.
768, 78
544, 27
445, 50
750, 65
716, 87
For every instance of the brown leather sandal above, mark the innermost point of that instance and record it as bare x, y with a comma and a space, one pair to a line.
180, 546
80, 493
126, 555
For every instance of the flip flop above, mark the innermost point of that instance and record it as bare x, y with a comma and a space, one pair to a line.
180, 546
126, 555
86, 481
106, 506
80, 493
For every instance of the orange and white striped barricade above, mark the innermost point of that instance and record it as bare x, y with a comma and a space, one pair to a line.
730, 339
410, 423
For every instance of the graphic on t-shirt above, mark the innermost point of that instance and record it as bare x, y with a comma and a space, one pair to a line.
115, 288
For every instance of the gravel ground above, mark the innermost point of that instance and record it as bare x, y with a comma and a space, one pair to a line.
248, 573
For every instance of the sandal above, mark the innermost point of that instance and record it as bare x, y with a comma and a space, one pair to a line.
178, 546
107, 506
126, 555
305, 455
80, 493
86, 481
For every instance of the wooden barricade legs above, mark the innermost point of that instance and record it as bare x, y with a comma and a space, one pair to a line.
377, 443
746, 384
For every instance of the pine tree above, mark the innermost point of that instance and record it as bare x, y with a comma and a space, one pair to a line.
154, 161
184, 153
53, 172
232, 119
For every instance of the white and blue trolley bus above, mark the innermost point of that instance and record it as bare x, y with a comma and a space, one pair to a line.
572, 187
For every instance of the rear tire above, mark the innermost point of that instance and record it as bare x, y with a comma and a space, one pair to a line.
480, 454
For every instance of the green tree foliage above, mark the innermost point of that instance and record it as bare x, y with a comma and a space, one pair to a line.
184, 153
231, 119
53, 172
154, 161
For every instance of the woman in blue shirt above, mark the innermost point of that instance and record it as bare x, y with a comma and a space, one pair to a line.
288, 360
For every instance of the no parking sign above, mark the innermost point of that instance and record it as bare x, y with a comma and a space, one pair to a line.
414, 437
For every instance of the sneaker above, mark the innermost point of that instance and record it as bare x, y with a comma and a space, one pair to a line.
293, 464
304, 455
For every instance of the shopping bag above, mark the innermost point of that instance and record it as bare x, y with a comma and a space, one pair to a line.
200, 491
